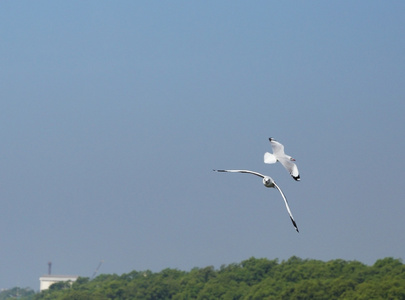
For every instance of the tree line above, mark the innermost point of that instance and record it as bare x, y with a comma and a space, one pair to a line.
254, 278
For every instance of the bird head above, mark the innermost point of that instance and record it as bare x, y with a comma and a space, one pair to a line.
268, 182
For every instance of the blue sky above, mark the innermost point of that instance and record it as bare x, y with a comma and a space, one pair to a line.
113, 115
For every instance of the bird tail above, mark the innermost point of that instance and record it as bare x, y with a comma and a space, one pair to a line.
269, 158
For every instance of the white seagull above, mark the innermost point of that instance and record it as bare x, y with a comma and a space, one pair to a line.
284, 159
270, 183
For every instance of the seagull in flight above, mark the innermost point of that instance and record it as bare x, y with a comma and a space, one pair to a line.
279, 155
270, 183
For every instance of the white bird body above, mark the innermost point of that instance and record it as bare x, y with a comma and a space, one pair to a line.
270, 183
279, 155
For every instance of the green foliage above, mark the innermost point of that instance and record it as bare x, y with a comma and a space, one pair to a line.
17, 293
251, 279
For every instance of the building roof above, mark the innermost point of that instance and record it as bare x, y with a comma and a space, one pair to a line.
59, 276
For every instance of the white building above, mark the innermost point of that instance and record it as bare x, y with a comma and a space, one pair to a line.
47, 280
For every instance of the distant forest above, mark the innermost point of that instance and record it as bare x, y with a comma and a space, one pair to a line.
253, 278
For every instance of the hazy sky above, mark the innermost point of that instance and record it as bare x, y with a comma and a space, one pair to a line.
114, 113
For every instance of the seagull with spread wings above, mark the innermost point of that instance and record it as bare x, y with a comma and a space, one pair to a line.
279, 155
270, 183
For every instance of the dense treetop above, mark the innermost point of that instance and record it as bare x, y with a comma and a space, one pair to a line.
253, 278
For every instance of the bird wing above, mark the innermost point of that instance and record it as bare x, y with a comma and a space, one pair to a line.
291, 167
242, 171
278, 148
286, 205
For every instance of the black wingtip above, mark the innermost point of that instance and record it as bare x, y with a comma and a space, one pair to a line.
297, 178
295, 224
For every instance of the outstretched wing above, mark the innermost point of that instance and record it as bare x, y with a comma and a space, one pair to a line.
286, 205
278, 148
241, 171
291, 167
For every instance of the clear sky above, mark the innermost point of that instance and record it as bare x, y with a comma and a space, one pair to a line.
114, 113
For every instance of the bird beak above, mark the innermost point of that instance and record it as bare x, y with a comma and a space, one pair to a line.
293, 159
